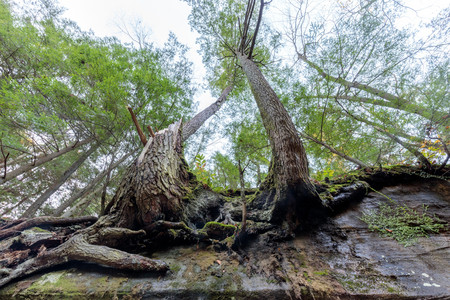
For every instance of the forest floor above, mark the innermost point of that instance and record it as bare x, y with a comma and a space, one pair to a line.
339, 259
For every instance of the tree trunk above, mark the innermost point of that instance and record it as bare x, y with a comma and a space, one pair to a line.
153, 187
392, 100
287, 185
196, 122
87, 189
31, 211
149, 199
41, 160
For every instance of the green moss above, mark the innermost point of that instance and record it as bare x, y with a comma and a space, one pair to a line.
219, 231
322, 273
175, 268
173, 232
38, 229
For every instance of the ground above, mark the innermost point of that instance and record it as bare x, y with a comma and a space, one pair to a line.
340, 258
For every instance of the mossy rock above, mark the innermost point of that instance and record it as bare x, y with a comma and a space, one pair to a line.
218, 231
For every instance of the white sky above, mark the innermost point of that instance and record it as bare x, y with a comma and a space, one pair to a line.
164, 16
160, 16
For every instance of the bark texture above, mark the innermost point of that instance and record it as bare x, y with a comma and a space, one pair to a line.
287, 189
289, 162
154, 184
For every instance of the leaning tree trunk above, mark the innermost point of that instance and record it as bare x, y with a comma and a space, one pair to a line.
154, 184
150, 199
287, 186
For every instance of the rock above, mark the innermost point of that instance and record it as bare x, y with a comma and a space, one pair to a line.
341, 259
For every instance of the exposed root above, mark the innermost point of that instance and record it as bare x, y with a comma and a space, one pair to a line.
78, 248
40, 221
114, 237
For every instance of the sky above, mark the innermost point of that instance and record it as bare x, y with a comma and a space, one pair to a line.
164, 16
160, 16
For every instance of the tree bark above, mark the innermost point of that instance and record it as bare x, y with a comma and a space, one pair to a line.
41, 160
287, 183
151, 192
31, 211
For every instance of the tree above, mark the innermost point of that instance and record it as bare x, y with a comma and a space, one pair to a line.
287, 185
158, 198
362, 65
63, 90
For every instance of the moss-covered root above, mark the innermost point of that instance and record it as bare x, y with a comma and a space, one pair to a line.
218, 231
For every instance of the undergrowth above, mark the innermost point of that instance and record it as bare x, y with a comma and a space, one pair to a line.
402, 223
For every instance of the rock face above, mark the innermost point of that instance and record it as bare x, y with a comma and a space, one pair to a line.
341, 259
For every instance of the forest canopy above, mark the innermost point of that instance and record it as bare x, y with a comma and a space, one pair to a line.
362, 90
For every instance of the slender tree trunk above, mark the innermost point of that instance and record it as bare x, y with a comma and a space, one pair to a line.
41, 160
287, 183
344, 156
394, 101
31, 211
411, 148
243, 200
196, 122
104, 190
87, 189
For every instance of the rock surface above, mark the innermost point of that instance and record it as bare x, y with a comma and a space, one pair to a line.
339, 260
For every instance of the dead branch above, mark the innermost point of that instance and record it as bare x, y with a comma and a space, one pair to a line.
138, 127
41, 221
152, 133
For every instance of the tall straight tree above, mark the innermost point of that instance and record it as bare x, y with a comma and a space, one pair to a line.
287, 190
287, 183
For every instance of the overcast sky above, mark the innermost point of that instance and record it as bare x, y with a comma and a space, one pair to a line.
159, 16
164, 16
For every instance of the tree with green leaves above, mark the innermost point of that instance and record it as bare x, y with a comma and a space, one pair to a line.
382, 84
158, 199
287, 186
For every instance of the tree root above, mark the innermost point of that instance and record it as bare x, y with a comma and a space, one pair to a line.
78, 248
40, 221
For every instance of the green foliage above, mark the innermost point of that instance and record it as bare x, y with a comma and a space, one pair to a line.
402, 223
59, 85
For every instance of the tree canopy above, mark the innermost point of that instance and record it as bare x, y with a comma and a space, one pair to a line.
363, 91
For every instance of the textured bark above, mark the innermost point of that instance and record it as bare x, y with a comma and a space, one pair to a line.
151, 192
31, 211
197, 121
154, 184
287, 191
80, 248
289, 162
42, 160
